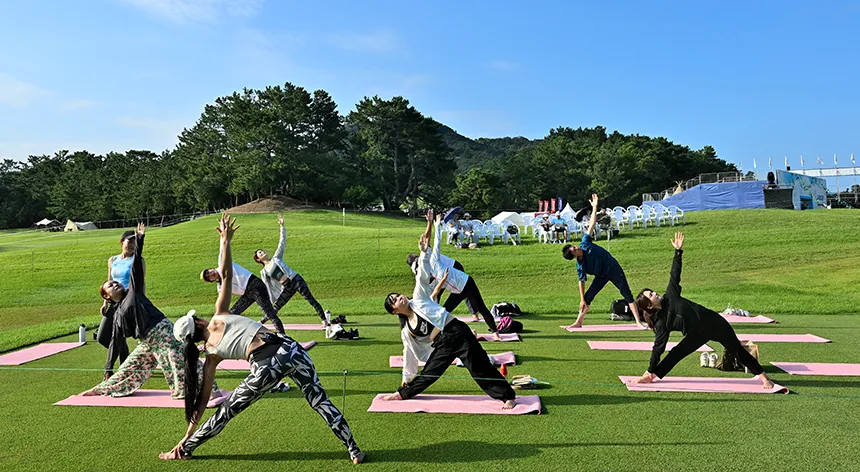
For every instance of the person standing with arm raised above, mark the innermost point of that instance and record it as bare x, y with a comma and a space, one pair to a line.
592, 259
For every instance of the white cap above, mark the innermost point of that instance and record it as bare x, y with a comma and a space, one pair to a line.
184, 326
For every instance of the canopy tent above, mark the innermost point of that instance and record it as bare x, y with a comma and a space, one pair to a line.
568, 212
514, 218
47, 222
82, 226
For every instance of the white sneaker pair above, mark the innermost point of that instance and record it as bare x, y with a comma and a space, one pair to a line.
709, 359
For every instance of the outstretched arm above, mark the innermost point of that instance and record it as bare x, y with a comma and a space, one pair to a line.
226, 227
674, 287
429, 217
282, 243
593, 219
137, 273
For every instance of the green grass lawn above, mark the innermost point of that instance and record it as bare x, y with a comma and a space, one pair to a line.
800, 268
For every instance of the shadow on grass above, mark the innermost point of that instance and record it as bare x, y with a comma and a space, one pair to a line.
446, 452
522, 359
795, 382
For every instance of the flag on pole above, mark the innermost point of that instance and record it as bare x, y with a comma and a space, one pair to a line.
754, 167
769, 163
819, 159
834, 160
852, 158
801, 161
786, 162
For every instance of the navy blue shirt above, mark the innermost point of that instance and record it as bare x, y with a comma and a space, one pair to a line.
595, 260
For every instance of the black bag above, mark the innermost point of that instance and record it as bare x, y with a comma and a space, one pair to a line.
620, 310
505, 308
513, 229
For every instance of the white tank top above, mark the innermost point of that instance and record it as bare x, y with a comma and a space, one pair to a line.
239, 332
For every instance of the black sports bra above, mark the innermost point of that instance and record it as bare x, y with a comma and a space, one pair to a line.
423, 329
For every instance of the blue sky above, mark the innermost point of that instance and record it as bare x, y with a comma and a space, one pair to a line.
752, 79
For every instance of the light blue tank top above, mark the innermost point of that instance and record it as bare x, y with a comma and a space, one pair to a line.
120, 269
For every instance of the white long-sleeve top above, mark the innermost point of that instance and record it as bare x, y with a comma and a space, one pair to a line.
439, 263
241, 276
275, 265
422, 304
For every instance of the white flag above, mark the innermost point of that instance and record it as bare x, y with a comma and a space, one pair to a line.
852, 158
754, 167
801, 161
834, 160
786, 162
819, 159
769, 162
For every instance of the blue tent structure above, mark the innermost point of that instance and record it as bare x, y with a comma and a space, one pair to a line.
721, 196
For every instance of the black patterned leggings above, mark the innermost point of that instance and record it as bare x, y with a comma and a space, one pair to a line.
298, 284
256, 292
268, 367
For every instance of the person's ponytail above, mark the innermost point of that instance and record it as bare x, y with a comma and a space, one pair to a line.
192, 379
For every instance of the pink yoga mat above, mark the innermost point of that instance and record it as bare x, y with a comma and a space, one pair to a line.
36, 352
140, 398
609, 327
474, 404
782, 338
505, 337
242, 364
299, 327
503, 358
812, 368
701, 384
749, 319
635, 346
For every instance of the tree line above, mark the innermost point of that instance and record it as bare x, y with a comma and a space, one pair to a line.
287, 140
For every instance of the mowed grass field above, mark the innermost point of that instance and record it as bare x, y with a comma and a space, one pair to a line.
800, 268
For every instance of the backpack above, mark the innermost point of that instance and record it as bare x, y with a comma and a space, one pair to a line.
513, 229
620, 311
728, 361
507, 324
505, 308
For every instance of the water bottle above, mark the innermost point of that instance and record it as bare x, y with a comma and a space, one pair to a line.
82, 334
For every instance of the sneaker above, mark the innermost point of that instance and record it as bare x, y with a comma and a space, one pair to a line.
280, 388
705, 360
712, 360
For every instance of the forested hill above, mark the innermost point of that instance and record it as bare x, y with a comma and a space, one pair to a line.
471, 153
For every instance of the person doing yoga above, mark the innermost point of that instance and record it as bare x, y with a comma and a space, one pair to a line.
135, 316
272, 357
672, 312
282, 281
430, 333
593, 259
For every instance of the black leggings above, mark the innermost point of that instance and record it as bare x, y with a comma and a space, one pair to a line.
719, 330
457, 341
256, 292
105, 338
298, 284
472, 295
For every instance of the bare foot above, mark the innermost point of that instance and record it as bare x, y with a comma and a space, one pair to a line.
175, 454
766, 383
575, 325
475, 318
89, 393
510, 404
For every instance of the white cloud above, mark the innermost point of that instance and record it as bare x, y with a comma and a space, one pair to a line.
378, 42
76, 105
503, 65
197, 11
17, 93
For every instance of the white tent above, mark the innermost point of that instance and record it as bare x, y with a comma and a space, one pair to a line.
515, 218
82, 226
47, 222
568, 212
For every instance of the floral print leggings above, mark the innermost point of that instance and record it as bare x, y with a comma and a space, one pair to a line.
158, 349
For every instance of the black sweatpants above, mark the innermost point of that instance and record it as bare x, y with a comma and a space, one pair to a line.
457, 341
459, 267
472, 295
717, 329
614, 275
256, 292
